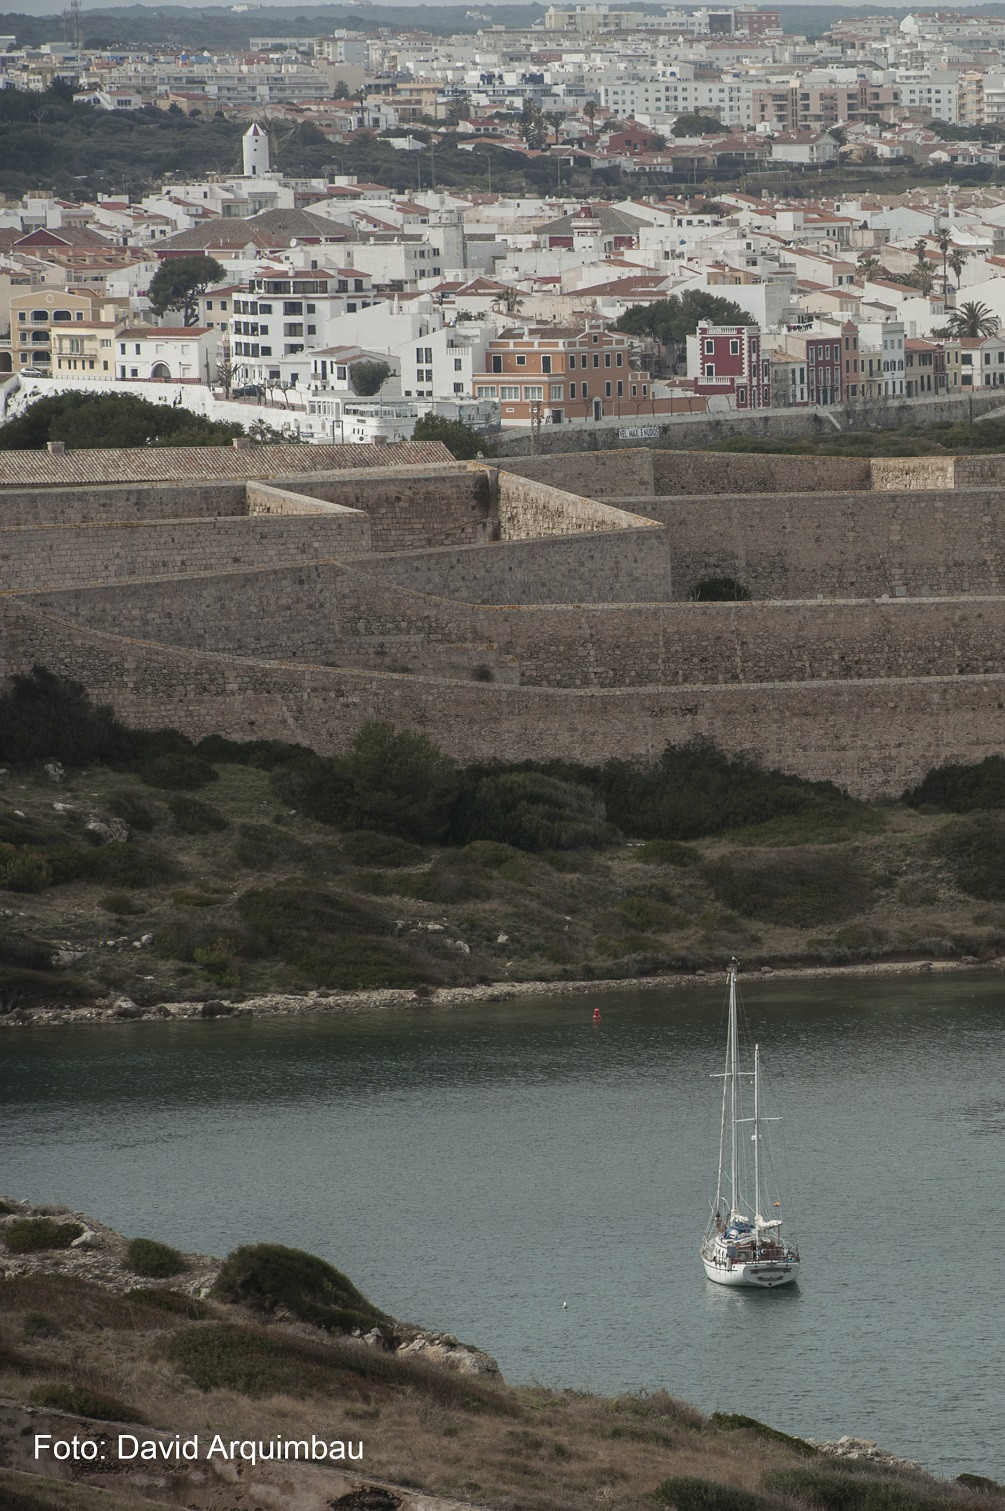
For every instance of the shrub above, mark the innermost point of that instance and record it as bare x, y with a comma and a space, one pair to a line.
269, 1275
642, 913
688, 1494
19, 949
129, 864
533, 811
799, 888
365, 848
735, 1420
667, 852
840, 1489
461, 440
83, 1402
45, 717
219, 962
178, 771
390, 781
130, 805
260, 847
962, 789
719, 590
975, 851
174, 1302
32, 1235
157, 1261
191, 816
20, 987
121, 904
24, 871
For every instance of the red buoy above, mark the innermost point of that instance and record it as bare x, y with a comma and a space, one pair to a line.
596, 1015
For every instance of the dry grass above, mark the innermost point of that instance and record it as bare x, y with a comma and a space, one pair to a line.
509, 1449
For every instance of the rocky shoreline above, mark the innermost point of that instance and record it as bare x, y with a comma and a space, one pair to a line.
123, 1009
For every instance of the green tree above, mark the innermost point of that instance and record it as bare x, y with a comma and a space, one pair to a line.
671, 321
459, 109
537, 812
368, 376
88, 420
462, 441
944, 241
971, 319
533, 127
695, 123
179, 281
956, 259
590, 111
396, 782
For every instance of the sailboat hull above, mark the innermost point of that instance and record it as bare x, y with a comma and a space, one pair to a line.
755, 1274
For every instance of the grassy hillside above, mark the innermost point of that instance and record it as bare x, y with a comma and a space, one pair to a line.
249, 1360
111, 886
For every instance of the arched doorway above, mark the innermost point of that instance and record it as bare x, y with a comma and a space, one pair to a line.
160, 372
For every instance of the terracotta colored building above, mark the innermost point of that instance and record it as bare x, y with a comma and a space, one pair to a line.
555, 374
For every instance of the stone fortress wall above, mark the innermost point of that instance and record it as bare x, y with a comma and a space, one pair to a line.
509, 614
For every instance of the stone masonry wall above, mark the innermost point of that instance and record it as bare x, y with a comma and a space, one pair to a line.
838, 545
337, 615
696, 472
414, 507
32, 558
599, 474
872, 737
529, 509
122, 501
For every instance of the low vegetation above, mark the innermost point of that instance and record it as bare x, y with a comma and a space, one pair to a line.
262, 1358
391, 865
945, 438
31, 1235
156, 1261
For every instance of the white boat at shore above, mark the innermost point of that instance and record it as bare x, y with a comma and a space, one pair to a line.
741, 1246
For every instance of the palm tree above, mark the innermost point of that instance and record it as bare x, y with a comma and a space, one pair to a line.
507, 301
590, 111
972, 320
956, 259
944, 241
868, 265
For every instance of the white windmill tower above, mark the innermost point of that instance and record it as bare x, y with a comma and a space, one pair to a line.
255, 147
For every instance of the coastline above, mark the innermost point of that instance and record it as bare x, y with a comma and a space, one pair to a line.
389, 999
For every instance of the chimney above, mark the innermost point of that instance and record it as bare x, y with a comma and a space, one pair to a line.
241, 442
56, 448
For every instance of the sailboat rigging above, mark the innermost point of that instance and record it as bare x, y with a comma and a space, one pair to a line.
741, 1246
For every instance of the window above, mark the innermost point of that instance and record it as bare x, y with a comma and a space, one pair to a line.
263, 309
572, 356
596, 358
458, 365
710, 348
709, 372
533, 391
607, 390
458, 388
607, 359
497, 364
521, 360
734, 348
555, 391
546, 363
508, 391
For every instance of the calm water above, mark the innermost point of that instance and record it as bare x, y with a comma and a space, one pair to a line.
473, 1170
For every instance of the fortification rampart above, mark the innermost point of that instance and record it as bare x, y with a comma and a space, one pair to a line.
872, 737
278, 620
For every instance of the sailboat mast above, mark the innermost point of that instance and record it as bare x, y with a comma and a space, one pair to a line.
734, 1094
757, 1138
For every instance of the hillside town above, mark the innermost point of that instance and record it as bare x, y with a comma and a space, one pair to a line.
335, 309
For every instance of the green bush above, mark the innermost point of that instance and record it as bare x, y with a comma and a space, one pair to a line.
260, 847
121, 904
131, 805
960, 788
33, 1235
22, 987
737, 1422
685, 1493
667, 852
389, 781
131, 865
365, 848
841, 1489
795, 887
45, 717
220, 962
643, 913
82, 1402
24, 871
192, 816
974, 849
533, 811
269, 1275
178, 771
156, 1261
174, 1302
20, 950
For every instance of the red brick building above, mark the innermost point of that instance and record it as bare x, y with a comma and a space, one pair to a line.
726, 361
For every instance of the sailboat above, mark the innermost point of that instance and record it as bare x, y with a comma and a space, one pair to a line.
741, 1246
